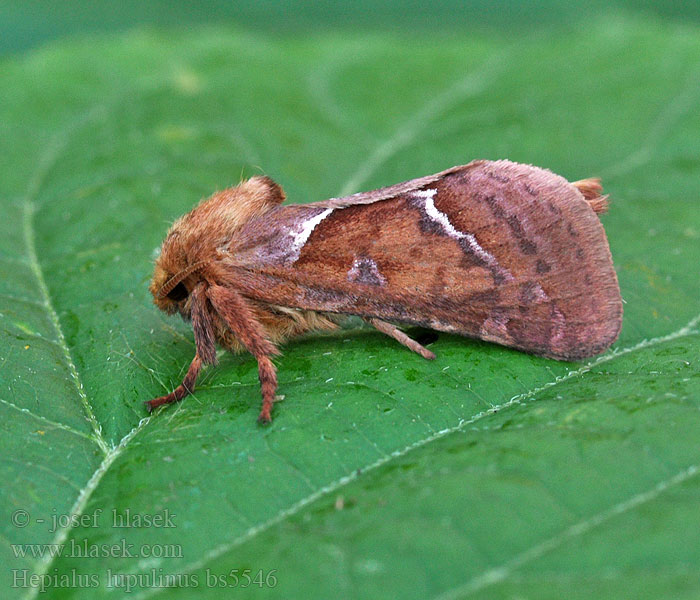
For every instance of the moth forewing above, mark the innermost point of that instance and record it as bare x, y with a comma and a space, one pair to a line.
500, 251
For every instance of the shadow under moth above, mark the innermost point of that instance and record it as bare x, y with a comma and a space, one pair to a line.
496, 250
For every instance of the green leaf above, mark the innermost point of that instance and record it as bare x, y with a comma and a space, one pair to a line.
486, 473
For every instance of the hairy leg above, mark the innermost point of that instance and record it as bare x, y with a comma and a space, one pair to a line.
203, 325
182, 390
238, 316
206, 348
400, 337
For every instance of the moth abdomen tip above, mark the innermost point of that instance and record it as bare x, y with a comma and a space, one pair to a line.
600, 204
591, 189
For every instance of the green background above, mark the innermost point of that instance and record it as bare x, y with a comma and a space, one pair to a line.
487, 473
25, 24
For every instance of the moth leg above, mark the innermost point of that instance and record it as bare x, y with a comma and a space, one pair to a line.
401, 337
268, 386
206, 348
182, 390
236, 312
203, 325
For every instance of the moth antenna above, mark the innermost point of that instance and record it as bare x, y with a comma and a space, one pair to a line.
169, 285
591, 189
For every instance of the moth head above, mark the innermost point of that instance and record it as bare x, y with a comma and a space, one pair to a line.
194, 239
173, 277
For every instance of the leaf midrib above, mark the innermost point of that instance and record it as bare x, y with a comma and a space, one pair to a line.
47, 305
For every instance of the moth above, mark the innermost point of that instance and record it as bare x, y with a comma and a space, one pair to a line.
504, 252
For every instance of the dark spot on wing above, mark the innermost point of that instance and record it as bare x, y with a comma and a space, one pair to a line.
553, 208
542, 266
498, 177
529, 190
527, 246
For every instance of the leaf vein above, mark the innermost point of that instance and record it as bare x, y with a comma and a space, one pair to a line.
671, 114
28, 224
471, 85
501, 573
55, 424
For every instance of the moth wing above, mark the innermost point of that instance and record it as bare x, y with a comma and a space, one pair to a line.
500, 251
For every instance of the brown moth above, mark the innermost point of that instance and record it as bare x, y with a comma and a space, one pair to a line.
500, 251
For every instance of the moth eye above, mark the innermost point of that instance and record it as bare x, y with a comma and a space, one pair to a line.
178, 293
